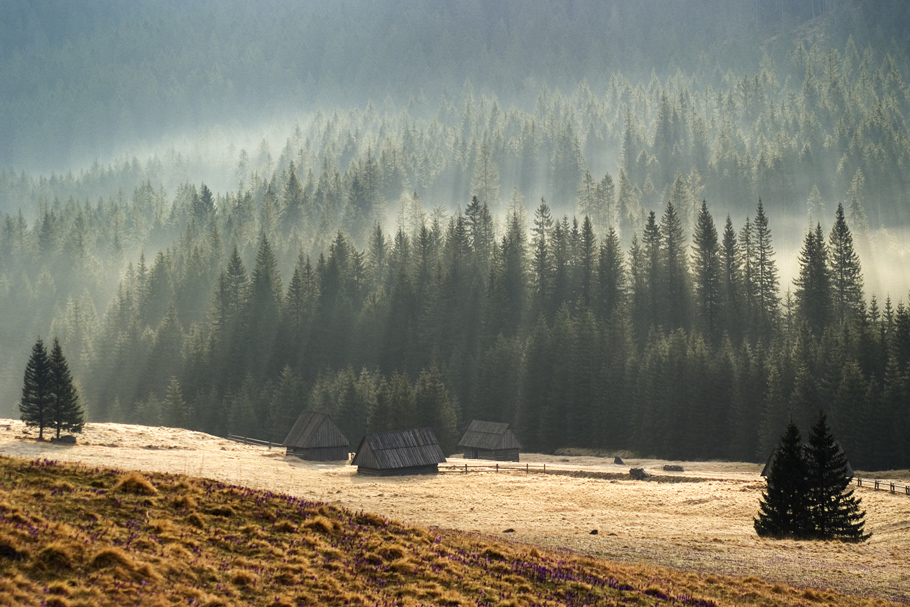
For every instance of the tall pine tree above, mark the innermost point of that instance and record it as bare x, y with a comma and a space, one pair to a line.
835, 511
67, 413
37, 401
784, 507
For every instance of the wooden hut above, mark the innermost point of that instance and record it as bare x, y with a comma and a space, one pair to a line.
316, 437
490, 440
399, 453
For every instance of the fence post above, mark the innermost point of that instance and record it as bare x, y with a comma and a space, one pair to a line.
876, 485
527, 470
544, 467
497, 467
465, 468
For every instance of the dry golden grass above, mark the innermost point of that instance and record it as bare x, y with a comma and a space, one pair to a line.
135, 483
694, 534
281, 550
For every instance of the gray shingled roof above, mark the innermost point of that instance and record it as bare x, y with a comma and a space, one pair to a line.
315, 430
489, 435
399, 449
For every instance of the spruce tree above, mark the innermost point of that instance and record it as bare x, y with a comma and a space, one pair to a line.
766, 275
730, 282
67, 414
835, 511
784, 507
813, 285
707, 274
37, 401
675, 276
846, 271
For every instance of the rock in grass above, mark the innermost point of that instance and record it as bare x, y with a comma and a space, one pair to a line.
639, 474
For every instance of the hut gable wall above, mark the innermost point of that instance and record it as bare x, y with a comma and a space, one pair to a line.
315, 431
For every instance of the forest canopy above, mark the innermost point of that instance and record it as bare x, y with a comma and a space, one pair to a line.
641, 237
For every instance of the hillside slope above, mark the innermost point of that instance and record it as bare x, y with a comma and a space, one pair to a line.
695, 534
76, 536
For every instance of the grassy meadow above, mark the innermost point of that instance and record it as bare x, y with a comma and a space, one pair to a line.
73, 535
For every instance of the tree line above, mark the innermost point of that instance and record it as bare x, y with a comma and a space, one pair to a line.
677, 345
804, 130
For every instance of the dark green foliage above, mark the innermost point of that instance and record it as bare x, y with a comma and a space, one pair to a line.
67, 413
808, 494
836, 513
846, 271
766, 279
784, 510
37, 402
599, 331
49, 397
707, 274
813, 285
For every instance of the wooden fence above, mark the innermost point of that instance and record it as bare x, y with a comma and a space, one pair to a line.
251, 441
877, 484
485, 466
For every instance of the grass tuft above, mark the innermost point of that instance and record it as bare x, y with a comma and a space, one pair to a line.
111, 557
285, 527
11, 549
221, 510
321, 524
55, 558
185, 502
196, 520
136, 484
243, 578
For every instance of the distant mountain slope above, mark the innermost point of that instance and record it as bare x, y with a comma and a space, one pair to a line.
78, 80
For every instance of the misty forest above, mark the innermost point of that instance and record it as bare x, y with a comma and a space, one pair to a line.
663, 227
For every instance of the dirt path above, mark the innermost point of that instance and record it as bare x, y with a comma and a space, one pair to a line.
704, 526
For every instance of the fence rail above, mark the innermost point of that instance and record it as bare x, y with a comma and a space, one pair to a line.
493, 467
251, 441
877, 484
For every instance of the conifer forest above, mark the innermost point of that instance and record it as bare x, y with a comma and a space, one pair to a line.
664, 227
